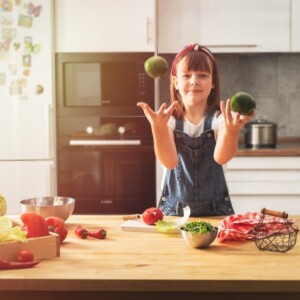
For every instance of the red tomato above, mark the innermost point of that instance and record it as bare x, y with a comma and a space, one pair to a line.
151, 215
25, 256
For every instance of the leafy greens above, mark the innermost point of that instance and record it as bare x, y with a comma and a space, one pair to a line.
8, 232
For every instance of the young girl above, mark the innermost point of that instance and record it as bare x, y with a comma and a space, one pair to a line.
195, 136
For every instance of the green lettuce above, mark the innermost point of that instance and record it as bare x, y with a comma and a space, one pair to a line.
8, 232
165, 226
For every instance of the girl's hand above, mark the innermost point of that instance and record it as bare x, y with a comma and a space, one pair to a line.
233, 124
160, 117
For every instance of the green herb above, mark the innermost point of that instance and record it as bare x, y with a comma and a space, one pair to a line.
199, 227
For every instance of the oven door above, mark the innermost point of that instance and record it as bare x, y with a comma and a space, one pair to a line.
108, 176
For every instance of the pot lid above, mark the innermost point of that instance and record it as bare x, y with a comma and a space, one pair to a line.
261, 122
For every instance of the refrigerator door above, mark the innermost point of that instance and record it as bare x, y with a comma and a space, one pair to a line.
26, 179
26, 131
26, 81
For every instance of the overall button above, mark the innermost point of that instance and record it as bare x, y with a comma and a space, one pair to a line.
177, 135
227, 198
163, 198
209, 135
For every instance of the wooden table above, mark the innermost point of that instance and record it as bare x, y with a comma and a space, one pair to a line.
139, 265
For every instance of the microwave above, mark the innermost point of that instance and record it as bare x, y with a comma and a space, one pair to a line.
109, 83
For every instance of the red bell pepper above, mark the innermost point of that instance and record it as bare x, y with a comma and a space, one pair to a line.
57, 225
35, 224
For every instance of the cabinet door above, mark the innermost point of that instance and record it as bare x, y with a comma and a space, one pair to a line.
26, 179
224, 26
104, 26
295, 35
258, 182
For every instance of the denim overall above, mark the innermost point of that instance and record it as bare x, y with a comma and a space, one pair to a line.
197, 181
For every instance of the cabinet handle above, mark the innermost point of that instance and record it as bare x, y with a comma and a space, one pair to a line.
105, 142
149, 39
232, 46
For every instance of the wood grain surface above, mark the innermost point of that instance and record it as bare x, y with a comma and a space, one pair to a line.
139, 263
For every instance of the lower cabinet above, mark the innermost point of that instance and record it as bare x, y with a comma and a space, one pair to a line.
270, 182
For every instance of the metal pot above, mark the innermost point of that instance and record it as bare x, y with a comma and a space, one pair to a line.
260, 134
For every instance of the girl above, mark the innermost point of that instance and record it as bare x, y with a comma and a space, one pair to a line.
195, 136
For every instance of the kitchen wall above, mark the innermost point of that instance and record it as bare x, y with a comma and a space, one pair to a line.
273, 79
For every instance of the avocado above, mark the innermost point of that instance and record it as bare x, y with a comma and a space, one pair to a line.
243, 103
156, 66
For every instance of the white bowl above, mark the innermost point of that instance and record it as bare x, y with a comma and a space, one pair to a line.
197, 240
61, 207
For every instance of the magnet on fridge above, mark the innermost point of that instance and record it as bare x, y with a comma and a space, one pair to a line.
39, 89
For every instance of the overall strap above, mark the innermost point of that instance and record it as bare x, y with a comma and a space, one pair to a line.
179, 124
208, 121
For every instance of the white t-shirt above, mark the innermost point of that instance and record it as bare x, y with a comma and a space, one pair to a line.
193, 130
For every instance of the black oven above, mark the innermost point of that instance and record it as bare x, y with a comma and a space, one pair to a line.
105, 156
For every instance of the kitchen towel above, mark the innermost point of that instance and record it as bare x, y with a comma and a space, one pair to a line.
240, 227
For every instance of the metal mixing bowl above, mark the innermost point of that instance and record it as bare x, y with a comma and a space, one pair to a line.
199, 240
61, 207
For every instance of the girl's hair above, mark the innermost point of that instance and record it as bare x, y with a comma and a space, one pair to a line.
197, 58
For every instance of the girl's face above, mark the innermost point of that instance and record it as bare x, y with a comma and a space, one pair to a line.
194, 86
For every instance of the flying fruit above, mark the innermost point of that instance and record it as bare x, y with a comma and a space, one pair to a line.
156, 67
242, 103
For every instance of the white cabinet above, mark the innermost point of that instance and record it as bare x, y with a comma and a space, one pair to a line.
258, 182
104, 26
295, 26
224, 26
26, 179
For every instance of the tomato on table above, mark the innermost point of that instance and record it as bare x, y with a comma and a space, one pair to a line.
25, 256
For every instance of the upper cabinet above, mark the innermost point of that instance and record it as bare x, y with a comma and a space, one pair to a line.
225, 26
295, 26
104, 26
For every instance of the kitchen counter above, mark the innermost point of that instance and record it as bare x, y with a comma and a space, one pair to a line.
286, 146
140, 265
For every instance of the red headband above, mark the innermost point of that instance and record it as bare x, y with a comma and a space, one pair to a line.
191, 47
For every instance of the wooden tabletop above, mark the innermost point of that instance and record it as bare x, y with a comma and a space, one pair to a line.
140, 263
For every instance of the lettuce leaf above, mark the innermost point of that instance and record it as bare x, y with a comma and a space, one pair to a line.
165, 226
8, 232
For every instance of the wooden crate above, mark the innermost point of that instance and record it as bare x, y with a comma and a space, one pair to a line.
41, 247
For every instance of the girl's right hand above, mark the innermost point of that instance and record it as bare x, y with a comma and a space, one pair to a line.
160, 117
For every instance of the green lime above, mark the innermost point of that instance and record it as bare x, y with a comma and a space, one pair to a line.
3, 206
243, 103
156, 66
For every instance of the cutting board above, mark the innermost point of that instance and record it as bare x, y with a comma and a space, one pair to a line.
139, 225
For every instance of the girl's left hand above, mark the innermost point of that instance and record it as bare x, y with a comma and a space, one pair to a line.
233, 122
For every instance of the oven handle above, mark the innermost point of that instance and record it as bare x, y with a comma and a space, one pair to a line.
105, 142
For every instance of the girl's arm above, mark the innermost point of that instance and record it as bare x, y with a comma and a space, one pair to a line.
228, 134
164, 144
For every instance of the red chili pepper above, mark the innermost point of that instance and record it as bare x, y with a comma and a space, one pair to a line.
35, 224
7, 264
98, 234
81, 232
57, 225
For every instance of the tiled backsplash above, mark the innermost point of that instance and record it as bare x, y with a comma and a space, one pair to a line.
273, 79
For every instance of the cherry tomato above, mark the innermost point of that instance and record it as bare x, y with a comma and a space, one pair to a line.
25, 256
